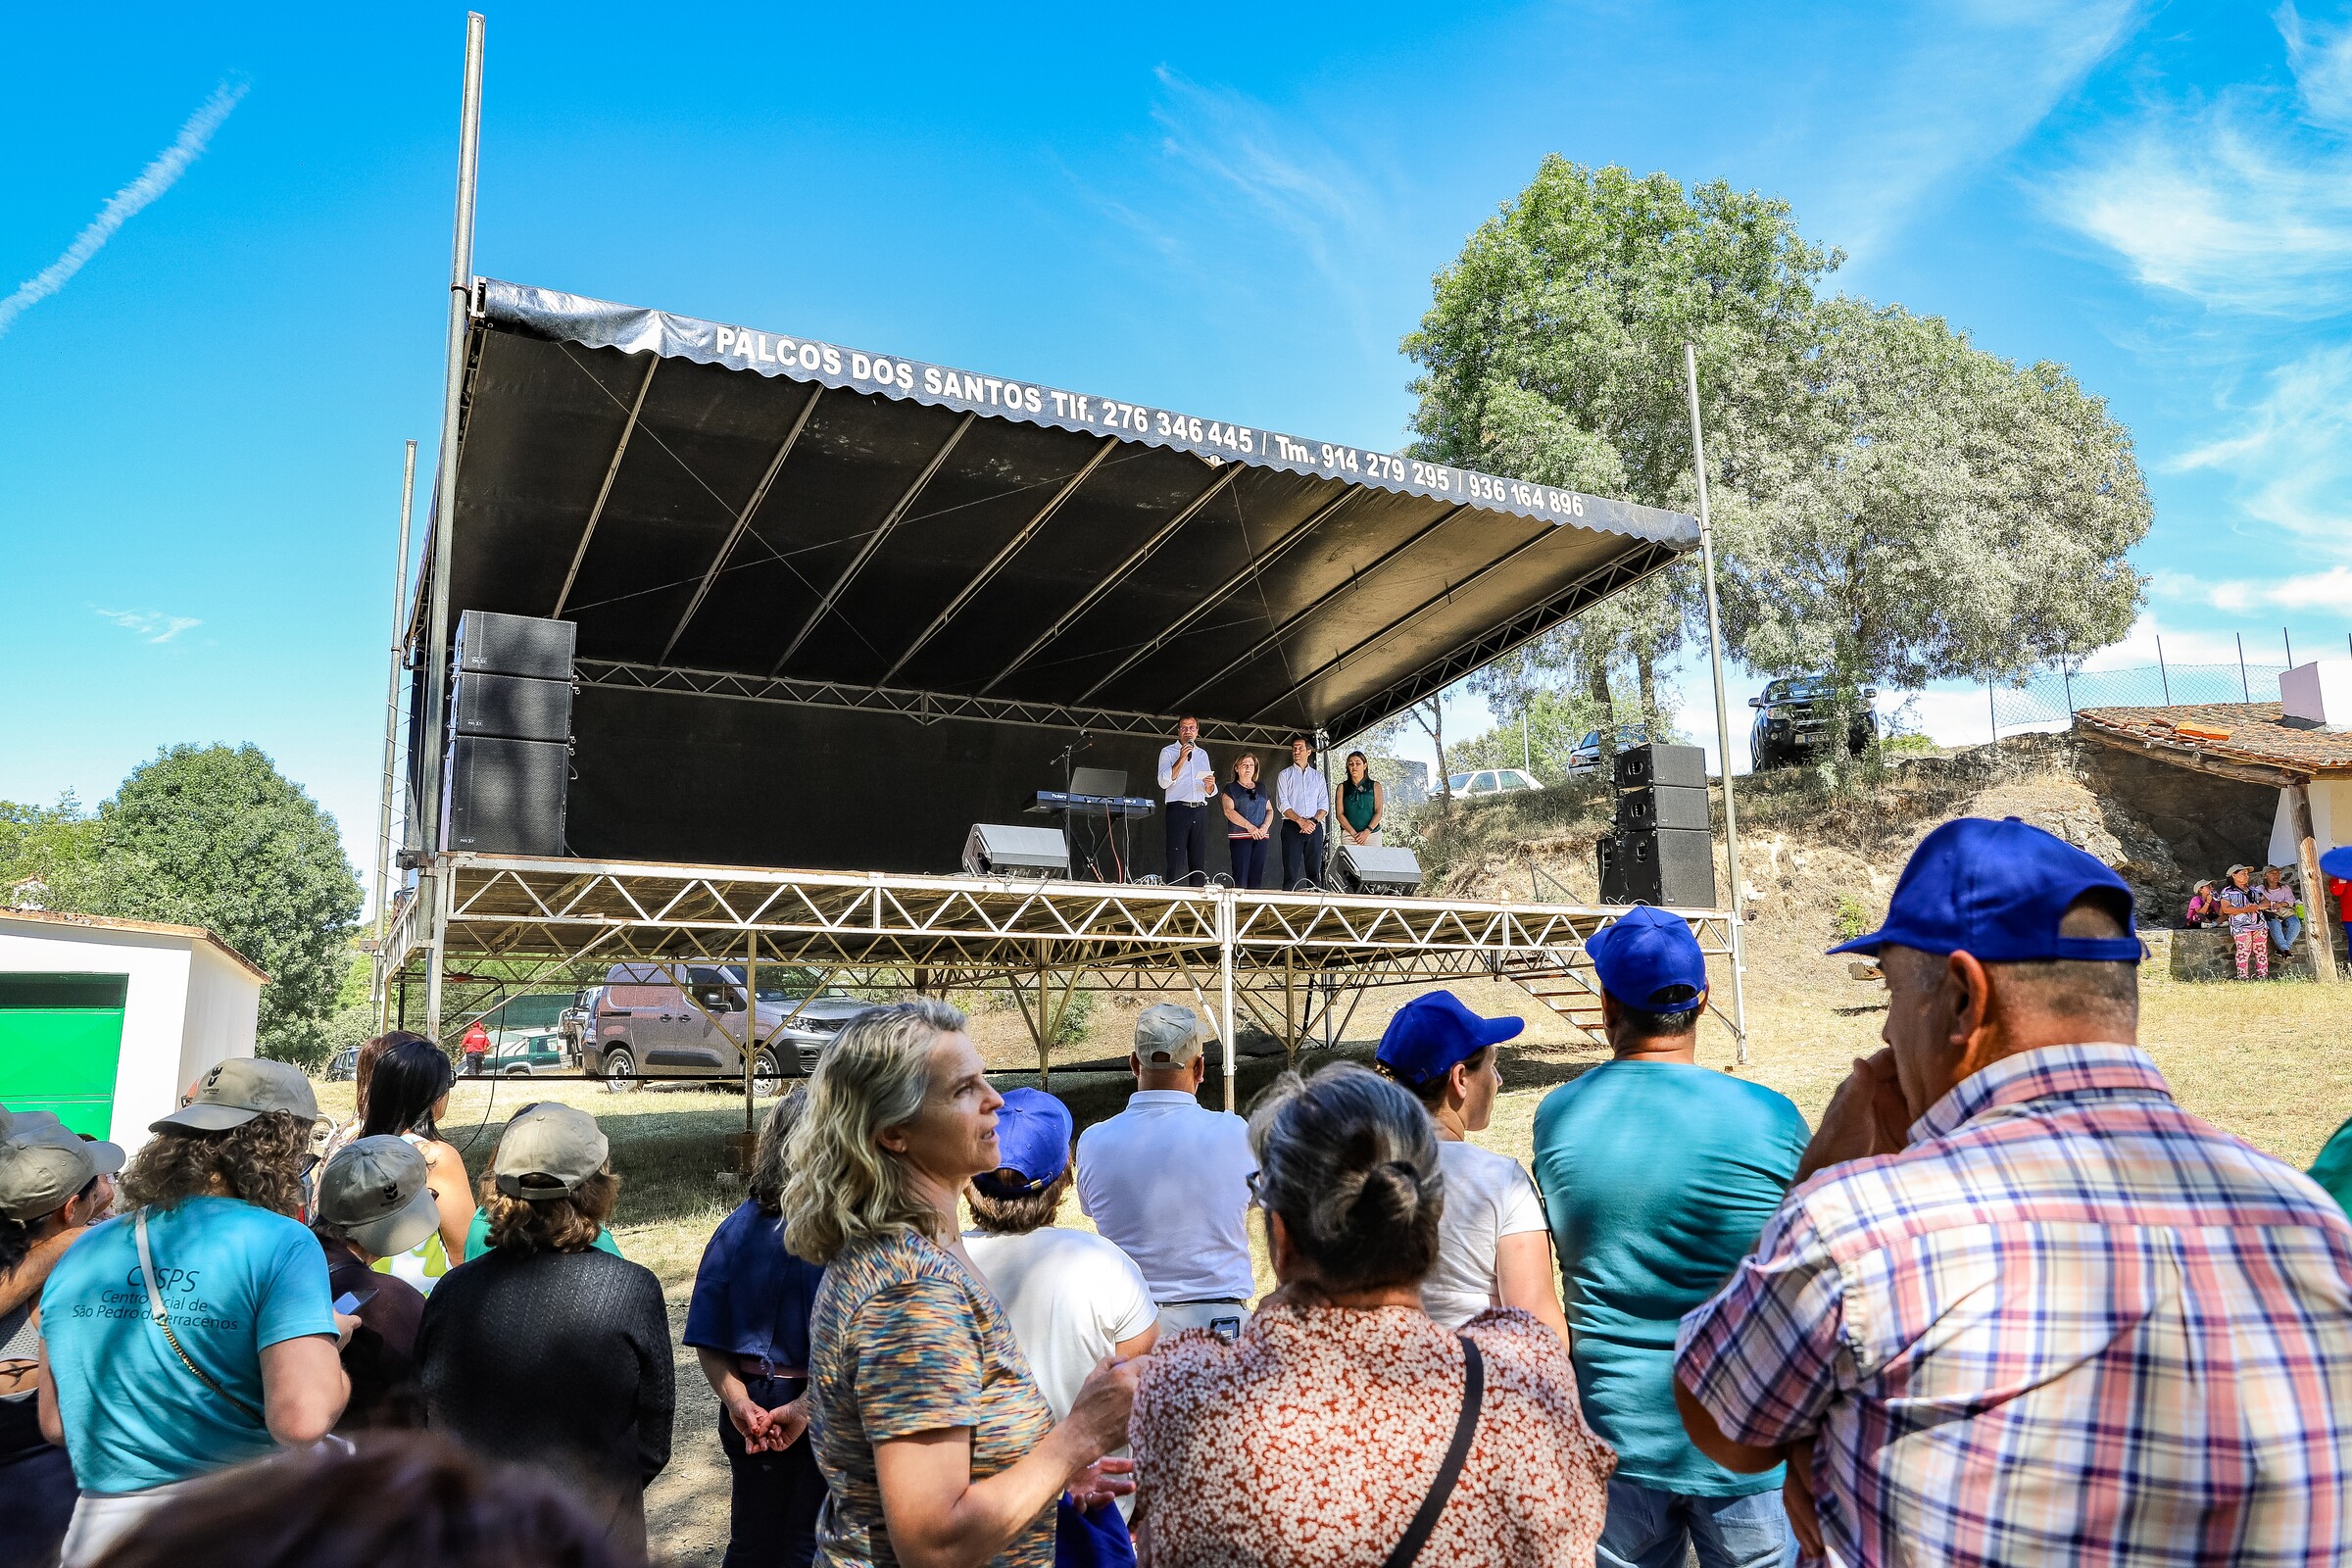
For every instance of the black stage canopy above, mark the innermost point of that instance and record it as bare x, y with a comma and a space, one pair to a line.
768, 519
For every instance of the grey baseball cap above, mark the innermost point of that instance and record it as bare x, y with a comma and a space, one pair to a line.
238, 1090
1169, 1036
374, 1192
547, 1151
43, 1163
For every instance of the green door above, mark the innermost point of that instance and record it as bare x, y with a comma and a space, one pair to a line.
61, 1036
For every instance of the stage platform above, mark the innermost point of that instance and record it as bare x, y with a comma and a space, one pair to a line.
1290, 962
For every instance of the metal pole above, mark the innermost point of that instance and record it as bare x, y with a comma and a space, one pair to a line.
1993, 714
2286, 635
2163, 674
1227, 921
445, 485
1527, 757
751, 1036
1723, 720
383, 814
2244, 690
2066, 675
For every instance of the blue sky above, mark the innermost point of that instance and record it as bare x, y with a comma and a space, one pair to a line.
1222, 210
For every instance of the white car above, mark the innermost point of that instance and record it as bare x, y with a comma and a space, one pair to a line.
1490, 781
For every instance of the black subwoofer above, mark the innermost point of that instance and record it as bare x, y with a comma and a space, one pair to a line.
1672, 867
505, 797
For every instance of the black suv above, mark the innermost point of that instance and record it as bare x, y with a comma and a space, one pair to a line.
1793, 720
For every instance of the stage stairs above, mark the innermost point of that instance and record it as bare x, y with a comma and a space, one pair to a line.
1551, 977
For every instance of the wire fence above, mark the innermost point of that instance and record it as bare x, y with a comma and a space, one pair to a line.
2053, 697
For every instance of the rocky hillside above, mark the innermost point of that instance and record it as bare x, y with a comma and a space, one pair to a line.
1819, 863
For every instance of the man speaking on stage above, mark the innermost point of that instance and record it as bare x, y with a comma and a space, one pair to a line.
1187, 782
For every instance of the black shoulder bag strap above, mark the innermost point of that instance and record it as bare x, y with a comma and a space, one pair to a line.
1450, 1470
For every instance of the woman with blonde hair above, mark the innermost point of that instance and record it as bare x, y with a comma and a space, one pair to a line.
546, 1350
937, 1447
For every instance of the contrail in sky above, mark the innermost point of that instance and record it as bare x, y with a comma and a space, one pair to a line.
155, 178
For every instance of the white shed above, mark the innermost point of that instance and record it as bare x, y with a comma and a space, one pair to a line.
107, 1021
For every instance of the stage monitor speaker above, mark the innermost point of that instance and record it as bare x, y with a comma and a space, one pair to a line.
1653, 806
1375, 868
491, 644
1671, 867
514, 707
505, 796
1681, 766
996, 850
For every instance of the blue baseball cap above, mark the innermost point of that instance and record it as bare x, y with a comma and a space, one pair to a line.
1647, 958
2337, 863
1432, 1034
1033, 1141
1996, 890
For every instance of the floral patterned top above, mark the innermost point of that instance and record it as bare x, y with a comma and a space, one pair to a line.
1312, 1441
904, 1340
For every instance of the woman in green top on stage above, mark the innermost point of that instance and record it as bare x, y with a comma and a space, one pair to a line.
1361, 803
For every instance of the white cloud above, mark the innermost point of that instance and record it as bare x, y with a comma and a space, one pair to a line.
1985, 76
2241, 204
157, 177
151, 626
2329, 590
2291, 453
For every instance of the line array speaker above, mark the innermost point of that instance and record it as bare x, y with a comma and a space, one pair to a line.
1663, 848
1681, 766
509, 774
492, 644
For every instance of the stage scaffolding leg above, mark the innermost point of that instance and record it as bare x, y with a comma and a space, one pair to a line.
1290, 1010
1225, 923
1723, 722
453, 386
436, 888
750, 1042
383, 812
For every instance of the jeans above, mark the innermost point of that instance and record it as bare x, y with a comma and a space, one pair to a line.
1302, 857
1187, 843
1652, 1529
1248, 861
772, 1506
2285, 931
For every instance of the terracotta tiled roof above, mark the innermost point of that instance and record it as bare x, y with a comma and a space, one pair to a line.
2250, 734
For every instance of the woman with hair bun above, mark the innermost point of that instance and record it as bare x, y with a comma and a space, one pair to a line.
1345, 1429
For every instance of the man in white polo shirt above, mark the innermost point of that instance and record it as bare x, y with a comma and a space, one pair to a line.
1168, 1181
1187, 782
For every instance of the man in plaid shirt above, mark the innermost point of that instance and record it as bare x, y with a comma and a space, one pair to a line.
2021, 1307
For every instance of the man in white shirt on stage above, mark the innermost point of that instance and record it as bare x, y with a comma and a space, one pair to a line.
1303, 798
1167, 1181
1187, 782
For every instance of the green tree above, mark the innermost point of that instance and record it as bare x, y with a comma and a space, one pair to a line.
1940, 512
1552, 350
216, 837
39, 845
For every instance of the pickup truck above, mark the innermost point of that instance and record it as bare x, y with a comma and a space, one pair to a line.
656, 1020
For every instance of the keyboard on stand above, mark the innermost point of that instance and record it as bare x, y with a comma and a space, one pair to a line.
1048, 801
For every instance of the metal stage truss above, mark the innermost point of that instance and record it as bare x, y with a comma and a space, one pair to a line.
1288, 962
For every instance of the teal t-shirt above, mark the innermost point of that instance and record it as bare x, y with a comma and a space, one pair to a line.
477, 1239
2334, 1168
235, 1280
1656, 1179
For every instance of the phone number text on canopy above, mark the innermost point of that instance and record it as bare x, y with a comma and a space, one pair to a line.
806, 358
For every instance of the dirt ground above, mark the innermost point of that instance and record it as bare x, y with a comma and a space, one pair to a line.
2267, 1061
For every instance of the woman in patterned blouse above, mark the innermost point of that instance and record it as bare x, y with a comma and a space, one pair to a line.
937, 1448
1313, 1441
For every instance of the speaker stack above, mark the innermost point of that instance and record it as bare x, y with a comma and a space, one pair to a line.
510, 744
1663, 849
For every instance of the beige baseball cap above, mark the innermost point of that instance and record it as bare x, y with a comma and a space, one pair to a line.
43, 1163
236, 1091
374, 1192
1169, 1036
546, 1150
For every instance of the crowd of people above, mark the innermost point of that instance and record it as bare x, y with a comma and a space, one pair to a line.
2262, 910
2006, 1304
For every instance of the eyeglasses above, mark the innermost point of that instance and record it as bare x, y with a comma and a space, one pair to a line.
1256, 1185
